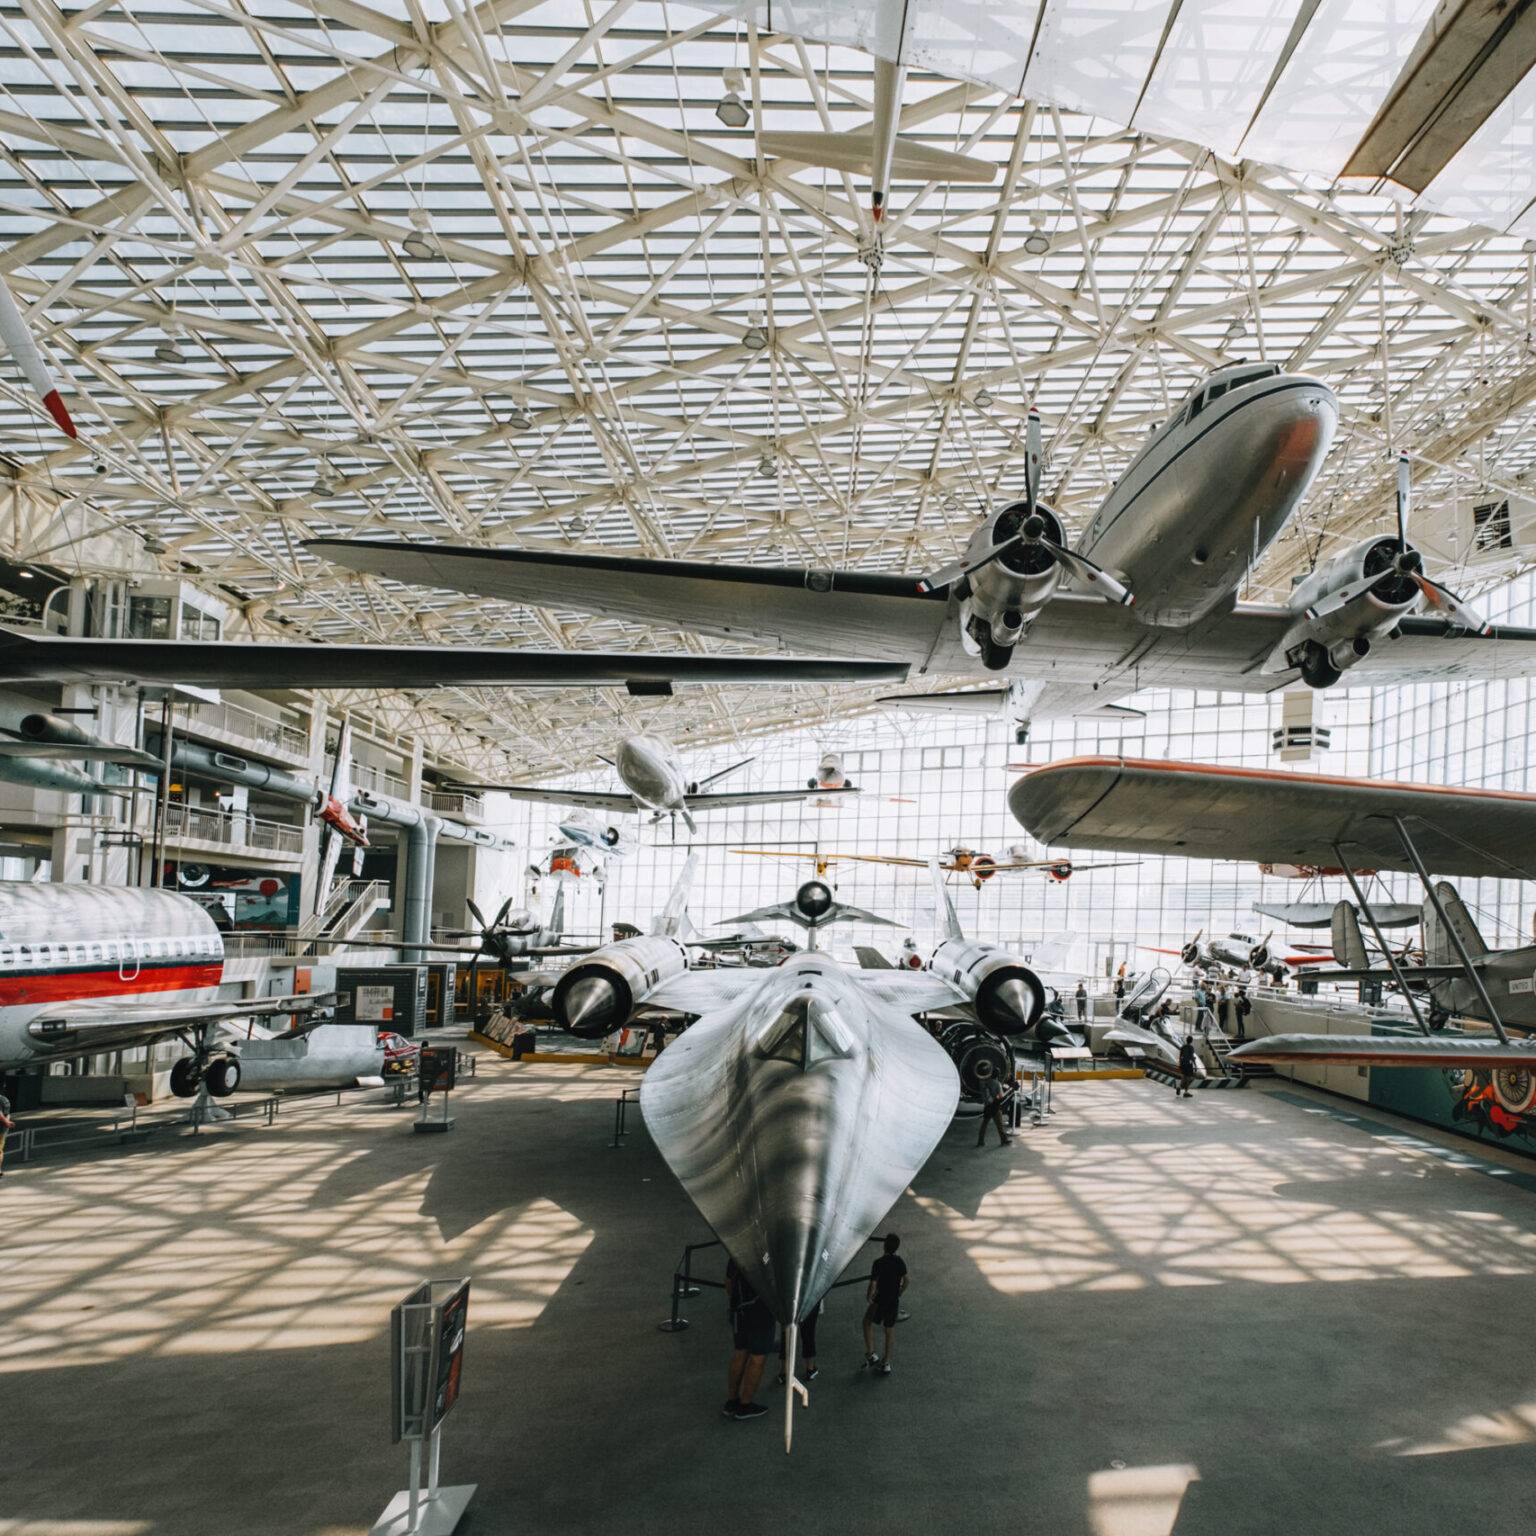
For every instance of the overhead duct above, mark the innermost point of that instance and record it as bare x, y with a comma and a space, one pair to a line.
423, 827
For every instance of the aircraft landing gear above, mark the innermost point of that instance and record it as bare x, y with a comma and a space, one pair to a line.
219, 1074
1317, 670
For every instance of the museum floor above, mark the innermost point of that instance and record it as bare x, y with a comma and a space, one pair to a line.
1241, 1313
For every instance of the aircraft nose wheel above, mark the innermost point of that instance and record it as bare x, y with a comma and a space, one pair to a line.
184, 1077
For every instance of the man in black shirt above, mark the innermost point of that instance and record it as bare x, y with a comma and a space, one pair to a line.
1187, 1068
752, 1334
887, 1280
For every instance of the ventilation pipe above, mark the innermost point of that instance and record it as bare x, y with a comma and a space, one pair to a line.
423, 827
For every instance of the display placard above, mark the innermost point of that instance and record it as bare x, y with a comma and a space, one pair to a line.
374, 1005
448, 1353
438, 1068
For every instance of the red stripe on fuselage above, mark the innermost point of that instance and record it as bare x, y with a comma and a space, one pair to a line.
65, 986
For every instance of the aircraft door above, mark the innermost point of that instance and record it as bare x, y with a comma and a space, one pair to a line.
129, 964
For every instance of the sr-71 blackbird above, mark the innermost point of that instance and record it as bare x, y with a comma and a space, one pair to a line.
1147, 600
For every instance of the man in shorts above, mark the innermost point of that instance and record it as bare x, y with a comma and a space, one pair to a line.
887, 1280
752, 1336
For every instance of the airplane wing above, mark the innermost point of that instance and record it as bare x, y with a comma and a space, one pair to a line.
1389, 1051
912, 991
699, 992
95, 752
1319, 914
725, 800
587, 799
1203, 811
1081, 653
780, 911
105, 1024
871, 959
1381, 973
260, 663
846, 914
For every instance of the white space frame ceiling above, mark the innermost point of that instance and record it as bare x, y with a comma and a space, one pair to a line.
633, 333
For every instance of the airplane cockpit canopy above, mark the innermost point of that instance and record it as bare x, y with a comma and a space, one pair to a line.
1224, 380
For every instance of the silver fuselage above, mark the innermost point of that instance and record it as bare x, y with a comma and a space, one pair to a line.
794, 1117
651, 772
1211, 491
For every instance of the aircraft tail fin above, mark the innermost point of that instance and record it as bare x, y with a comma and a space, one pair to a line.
1438, 946
944, 907
557, 914
871, 959
1348, 942
675, 914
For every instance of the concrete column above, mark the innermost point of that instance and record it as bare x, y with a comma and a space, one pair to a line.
421, 856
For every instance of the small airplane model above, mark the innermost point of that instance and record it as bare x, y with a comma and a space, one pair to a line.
1240, 952
979, 867
654, 781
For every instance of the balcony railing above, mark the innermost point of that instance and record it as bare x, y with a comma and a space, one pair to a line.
248, 834
380, 780
262, 731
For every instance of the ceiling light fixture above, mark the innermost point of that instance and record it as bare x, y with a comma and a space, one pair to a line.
732, 110
983, 398
755, 338
1038, 243
520, 421
169, 350
766, 467
421, 243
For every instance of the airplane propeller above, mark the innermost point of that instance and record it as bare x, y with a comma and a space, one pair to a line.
1409, 563
1033, 530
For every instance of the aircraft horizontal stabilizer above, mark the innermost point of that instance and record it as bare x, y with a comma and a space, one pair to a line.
854, 152
93, 752
1388, 1051
1319, 914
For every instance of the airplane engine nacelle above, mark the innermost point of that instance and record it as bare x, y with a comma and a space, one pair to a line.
1326, 645
1190, 954
1005, 595
979, 1057
599, 994
1008, 997
1258, 957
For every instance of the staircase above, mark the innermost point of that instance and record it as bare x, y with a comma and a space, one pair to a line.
346, 913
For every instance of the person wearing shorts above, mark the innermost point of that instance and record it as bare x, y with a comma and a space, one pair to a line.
752, 1336
887, 1281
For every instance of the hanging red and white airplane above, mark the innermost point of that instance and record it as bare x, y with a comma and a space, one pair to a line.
88, 968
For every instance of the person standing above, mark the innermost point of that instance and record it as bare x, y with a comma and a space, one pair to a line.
1243, 1007
1201, 1002
1119, 993
1223, 1010
1186, 1067
993, 1095
751, 1339
887, 1281
7, 1125
807, 1346
1082, 1003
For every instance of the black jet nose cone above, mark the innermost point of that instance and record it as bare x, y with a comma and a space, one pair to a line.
814, 899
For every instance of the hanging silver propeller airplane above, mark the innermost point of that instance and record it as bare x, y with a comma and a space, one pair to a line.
1148, 600
654, 781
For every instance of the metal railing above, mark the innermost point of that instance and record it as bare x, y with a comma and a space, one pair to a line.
232, 831
234, 720
366, 776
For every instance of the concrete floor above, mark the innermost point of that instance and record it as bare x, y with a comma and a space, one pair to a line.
1227, 1315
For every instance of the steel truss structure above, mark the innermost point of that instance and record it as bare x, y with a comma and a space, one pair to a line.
499, 273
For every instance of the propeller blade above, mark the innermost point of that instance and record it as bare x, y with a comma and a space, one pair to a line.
1344, 596
1404, 496
963, 568
1032, 458
1453, 607
501, 916
1091, 575
475, 912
